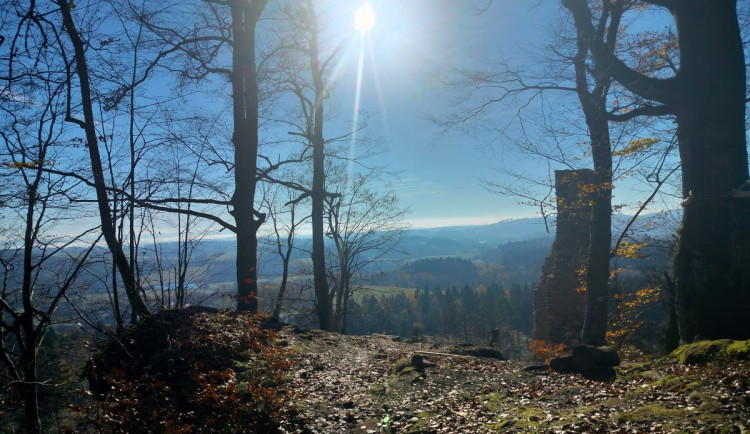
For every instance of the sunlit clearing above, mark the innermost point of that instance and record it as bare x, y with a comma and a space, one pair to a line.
364, 19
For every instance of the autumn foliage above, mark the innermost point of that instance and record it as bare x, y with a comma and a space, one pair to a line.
543, 350
628, 318
186, 371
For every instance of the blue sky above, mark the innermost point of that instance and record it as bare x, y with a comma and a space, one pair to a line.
413, 41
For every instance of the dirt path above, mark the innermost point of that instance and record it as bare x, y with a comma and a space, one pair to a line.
349, 384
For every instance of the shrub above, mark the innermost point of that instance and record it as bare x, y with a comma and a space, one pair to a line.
542, 350
185, 370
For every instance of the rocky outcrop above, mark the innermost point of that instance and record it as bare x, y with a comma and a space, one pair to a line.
701, 352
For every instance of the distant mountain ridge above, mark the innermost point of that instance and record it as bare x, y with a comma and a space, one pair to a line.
470, 241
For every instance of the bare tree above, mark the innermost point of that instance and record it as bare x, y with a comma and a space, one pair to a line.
366, 226
304, 31
286, 217
227, 29
88, 125
40, 265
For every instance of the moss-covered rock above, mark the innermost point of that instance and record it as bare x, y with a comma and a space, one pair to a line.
706, 351
739, 350
401, 366
421, 422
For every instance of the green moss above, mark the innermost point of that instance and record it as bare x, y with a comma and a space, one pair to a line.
657, 412
706, 351
709, 405
651, 413
421, 425
702, 351
492, 401
521, 418
502, 426
739, 350
401, 365
378, 389
404, 370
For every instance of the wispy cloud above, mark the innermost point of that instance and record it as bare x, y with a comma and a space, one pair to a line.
411, 187
10, 96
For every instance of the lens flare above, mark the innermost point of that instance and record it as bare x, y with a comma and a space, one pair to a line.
364, 18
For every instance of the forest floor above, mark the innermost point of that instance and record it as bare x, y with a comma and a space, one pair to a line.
350, 384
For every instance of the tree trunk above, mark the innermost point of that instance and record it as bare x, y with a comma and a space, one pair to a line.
108, 229
280, 297
345, 316
322, 297
341, 296
594, 105
28, 339
712, 275
672, 338
341, 288
245, 17
29, 390
597, 270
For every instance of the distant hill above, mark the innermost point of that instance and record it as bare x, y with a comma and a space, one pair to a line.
526, 239
517, 246
492, 234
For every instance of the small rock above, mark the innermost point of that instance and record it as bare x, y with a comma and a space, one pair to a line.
651, 375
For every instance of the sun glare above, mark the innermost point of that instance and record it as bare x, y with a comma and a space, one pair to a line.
364, 19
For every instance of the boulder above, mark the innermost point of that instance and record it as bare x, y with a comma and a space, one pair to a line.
592, 362
700, 352
588, 358
563, 365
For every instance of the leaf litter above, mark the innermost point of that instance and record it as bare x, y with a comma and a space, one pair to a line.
348, 384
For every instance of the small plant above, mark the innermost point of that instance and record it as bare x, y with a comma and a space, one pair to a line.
627, 320
543, 350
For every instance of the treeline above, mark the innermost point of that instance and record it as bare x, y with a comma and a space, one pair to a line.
468, 314
512, 263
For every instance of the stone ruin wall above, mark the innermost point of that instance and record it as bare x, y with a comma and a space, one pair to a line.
558, 307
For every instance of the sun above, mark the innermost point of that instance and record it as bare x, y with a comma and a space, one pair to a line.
364, 18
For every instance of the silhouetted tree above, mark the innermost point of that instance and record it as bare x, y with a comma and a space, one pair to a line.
88, 125
38, 266
707, 96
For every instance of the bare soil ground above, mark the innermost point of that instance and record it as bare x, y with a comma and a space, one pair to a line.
350, 384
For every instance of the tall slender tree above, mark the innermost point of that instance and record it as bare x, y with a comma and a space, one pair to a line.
245, 103
88, 124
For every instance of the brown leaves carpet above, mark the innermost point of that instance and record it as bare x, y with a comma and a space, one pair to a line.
346, 384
